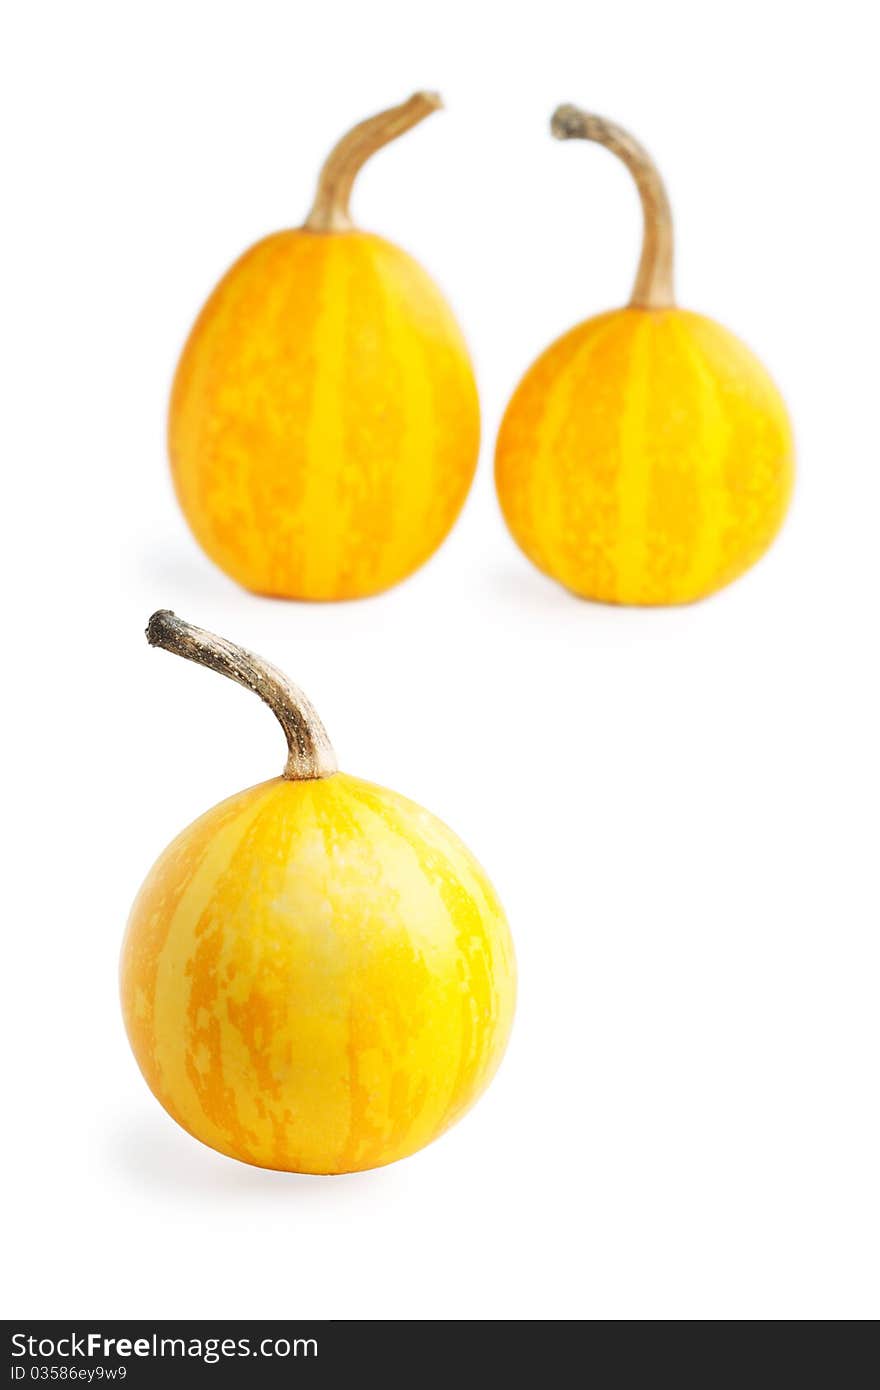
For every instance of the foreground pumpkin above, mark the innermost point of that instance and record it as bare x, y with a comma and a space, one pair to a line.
646, 457
317, 975
324, 422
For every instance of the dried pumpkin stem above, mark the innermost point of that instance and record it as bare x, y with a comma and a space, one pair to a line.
310, 754
653, 288
330, 209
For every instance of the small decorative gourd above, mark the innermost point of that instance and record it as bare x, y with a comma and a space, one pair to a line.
324, 423
317, 975
646, 457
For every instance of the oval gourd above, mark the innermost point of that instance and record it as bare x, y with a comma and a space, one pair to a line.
324, 422
317, 975
646, 457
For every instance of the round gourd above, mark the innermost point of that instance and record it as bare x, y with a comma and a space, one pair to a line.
317, 975
646, 457
324, 423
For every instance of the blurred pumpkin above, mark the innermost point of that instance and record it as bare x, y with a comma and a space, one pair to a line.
646, 457
324, 421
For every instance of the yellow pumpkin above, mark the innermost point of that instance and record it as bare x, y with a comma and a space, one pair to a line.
317, 975
646, 457
324, 423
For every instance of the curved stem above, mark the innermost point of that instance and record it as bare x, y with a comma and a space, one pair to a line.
653, 288
310, 754
329, 212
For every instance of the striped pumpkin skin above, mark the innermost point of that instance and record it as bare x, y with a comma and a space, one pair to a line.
324, 422
645, 458
317, 977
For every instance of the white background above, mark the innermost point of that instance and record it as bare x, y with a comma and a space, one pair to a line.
686, 1125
